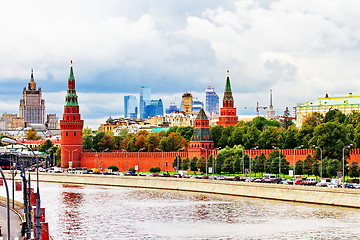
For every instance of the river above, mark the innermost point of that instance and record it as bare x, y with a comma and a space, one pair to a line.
95, 212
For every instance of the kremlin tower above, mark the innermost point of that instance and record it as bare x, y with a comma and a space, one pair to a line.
201, 140
71, 127
228, 112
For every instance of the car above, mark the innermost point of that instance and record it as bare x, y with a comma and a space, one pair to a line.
310, 181
349, 185
177, 175
205, 177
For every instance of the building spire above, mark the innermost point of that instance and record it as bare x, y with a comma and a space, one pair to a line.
71, 96
271, 105
32, 84
71, 76
228, 92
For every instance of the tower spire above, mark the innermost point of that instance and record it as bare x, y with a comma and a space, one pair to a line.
228, 111
32, 84
71, 96
271, 106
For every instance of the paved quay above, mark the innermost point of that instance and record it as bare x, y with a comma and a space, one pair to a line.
15, 223
304, 194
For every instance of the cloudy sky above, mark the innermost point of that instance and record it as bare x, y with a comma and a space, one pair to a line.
297, 49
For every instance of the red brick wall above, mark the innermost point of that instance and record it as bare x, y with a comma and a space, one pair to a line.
126, 160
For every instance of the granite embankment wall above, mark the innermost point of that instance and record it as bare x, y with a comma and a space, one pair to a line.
305, 194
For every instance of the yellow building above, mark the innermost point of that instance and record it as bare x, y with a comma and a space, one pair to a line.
187, 103
345, 104
172, 119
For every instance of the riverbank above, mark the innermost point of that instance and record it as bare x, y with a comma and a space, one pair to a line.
304, 194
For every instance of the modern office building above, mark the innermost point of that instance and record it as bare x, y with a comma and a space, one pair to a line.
145, 97
155, 108
212, 102
197, 105
345, 104
186, 103
172, 108
130, 106
32, 106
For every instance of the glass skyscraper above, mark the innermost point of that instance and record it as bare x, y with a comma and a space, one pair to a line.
145, 96
130, 106
212, 102
155, 108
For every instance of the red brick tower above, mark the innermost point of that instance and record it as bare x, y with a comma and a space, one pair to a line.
71, 127
201, 140
228, 112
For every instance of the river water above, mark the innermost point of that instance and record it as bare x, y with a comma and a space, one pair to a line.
95, 212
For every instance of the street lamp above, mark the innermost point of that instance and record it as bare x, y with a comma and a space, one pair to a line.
72, 156
256, 147
162, 156
343, 162
96, 155
177, 161
139, 160
279, 159
38, 202
321, 168
126, 155
298, 147
102, 159
213, 163
206, 163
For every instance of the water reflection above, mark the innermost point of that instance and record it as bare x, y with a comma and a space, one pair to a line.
93, 212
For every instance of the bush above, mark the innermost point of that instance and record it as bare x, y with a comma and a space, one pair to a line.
131, 169
113, 168
154, 169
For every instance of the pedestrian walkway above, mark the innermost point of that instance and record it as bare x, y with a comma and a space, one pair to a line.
15, 224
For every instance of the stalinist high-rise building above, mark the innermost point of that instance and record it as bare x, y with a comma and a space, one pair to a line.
32, 106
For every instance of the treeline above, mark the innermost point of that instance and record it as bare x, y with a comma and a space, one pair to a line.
330, 133
174, 139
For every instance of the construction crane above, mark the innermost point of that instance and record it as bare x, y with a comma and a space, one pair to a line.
257, 108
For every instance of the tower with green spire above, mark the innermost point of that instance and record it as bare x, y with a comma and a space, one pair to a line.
71, 127
201, 141
228, 111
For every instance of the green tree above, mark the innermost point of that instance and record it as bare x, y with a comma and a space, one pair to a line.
307, 167
106, 142
269, 137
288, 138
287, 121
228, 165
152, 142
258, 164
299, 167
154, 169
177, 162
331, 137
113, 168
87, 142
185, 163
193, 164
334, 115
216, 133
44, 147
201, 164
354, 169
96, 139
331, 167
225, 137
173, 142
251, 137
220, 159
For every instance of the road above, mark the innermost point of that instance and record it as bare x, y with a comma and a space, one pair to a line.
15, 231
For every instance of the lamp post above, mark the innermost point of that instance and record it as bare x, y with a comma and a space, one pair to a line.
343, 162
139, 160
162, 163
38, 202
126, 162
69, 153
206, 163
256, 147
321, 168
298, 147
279, 159
102, 159
243, 162
72, 156
213, 163
96, 155
177, 161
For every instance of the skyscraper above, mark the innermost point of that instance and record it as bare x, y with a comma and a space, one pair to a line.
130, 106
212, 102
145, 96
32, 106
228, 111
155, 108
196, 106
186, 103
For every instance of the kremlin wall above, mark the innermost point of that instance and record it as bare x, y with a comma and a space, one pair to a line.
201, 144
